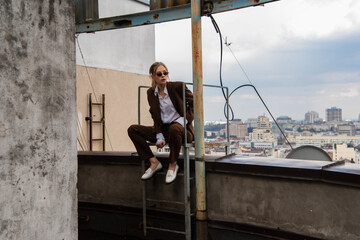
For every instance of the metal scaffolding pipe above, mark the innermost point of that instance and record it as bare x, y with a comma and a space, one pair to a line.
198, 110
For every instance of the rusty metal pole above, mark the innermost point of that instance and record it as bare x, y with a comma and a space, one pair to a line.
198, 110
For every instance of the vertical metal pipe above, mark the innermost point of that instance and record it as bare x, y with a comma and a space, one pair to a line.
144, 199
90, 120
103, 124
186, 175
139, 88
227, 122
187, 191
198, 110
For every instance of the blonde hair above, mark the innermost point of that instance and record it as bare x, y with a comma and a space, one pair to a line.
152, 72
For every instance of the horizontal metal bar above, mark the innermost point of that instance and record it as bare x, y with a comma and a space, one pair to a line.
97, 139
161, 15
208, 85
136, 19
98, 121
165, 230
164, 201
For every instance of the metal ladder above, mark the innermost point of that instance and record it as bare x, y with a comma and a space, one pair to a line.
101, 121
186, 202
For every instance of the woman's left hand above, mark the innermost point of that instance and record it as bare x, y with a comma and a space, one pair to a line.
160, 144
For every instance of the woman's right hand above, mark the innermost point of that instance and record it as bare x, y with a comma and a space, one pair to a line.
160, 144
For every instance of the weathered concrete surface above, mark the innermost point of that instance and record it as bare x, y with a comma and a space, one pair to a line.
276, 194
319, 210
38, 164
121, 185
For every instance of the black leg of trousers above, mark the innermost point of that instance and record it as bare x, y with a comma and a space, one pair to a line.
175, 136
139, 135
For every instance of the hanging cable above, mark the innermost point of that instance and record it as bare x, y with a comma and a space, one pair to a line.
92, 87
250, 85
242, 69
80, 144
82, 135
217, 29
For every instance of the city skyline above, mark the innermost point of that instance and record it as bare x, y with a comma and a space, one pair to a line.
302, 119
301, 55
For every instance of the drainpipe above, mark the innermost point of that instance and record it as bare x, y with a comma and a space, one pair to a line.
198, 111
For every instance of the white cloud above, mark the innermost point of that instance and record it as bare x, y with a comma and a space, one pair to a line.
336, 77
350, 93
318, 19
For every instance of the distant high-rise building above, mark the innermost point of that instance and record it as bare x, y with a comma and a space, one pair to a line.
333, 114
252, 122
284, 119
347, 129
263, 123
311, 117
238, 129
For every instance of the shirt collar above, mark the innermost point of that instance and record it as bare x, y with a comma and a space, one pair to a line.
156, 92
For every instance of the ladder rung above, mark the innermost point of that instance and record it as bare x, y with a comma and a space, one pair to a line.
98, 104
98, 121
163, 201
166, 230
164, 173
179, 174
97, 139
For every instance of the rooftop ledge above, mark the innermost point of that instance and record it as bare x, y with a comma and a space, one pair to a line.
346, 174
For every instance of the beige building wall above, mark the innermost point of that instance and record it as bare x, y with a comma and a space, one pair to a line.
342, 152
121, 106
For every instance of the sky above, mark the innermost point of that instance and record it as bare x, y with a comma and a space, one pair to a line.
301, 55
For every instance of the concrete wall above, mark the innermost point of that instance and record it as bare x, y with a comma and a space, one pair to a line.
291, 200
38, 167
325, 211
121, 106
129, 50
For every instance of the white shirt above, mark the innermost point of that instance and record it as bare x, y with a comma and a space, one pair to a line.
168, 112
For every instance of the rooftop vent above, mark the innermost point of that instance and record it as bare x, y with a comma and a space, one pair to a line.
157, 4
86, 10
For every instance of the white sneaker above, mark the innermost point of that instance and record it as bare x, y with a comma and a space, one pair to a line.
171, 175
149, 172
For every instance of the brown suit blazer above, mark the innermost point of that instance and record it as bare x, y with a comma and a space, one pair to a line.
175, 90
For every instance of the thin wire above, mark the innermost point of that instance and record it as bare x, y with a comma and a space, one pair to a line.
245, 85
80, 144
82, 135
239, 64
82, 56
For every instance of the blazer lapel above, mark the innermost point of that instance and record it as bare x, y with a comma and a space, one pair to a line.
176, 100
155, 105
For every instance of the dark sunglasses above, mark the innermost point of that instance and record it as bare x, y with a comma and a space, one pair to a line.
159, 74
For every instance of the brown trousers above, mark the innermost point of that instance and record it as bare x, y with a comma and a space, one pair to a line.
174, 136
